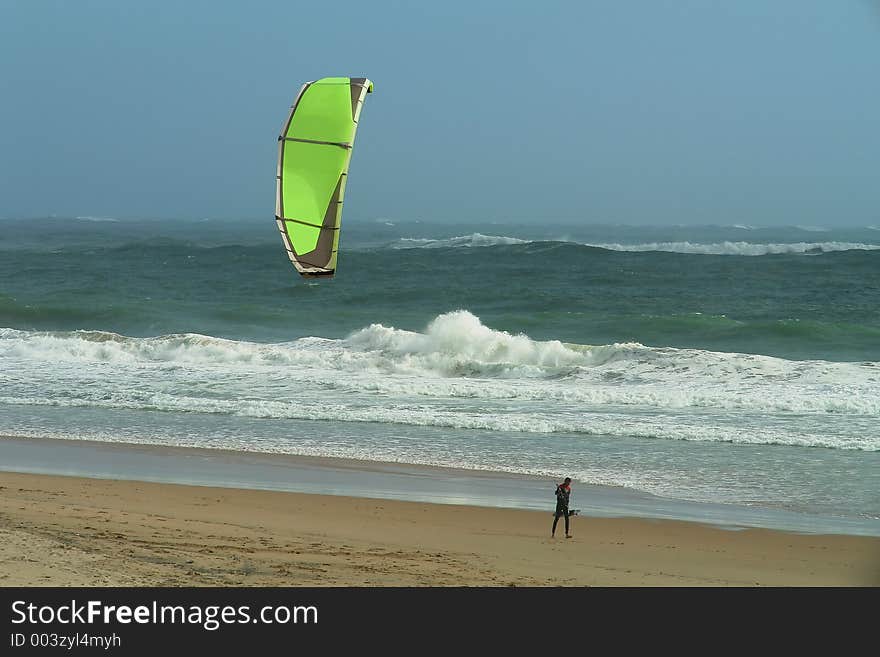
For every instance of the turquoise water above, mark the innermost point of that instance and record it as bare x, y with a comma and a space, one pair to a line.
733, 365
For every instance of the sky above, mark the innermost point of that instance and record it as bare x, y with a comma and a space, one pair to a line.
626, 111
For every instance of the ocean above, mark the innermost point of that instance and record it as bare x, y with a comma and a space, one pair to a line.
725, 365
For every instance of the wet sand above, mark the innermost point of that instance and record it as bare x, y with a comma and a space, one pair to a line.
384, 480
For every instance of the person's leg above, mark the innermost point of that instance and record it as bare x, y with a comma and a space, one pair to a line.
555, 520
567, 533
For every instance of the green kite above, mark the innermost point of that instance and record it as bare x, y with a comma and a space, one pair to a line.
314, 150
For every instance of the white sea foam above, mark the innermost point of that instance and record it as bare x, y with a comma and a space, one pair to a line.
675, 427
456, 373
458, 341
741, 248
474, 240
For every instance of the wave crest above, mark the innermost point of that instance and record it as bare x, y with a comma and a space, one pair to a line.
455, 360
741, 248
468, 241
733, 248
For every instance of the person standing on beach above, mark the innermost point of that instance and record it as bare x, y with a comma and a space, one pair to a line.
563, 494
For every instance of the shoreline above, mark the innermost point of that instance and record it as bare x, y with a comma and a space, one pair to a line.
74, 531
385, 480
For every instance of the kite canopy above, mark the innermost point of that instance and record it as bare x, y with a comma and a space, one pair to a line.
314, 150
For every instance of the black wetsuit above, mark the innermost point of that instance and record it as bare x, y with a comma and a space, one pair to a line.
563, 492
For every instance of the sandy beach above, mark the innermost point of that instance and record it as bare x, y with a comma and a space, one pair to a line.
73, 531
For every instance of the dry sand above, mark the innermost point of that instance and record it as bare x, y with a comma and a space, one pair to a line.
69, 531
